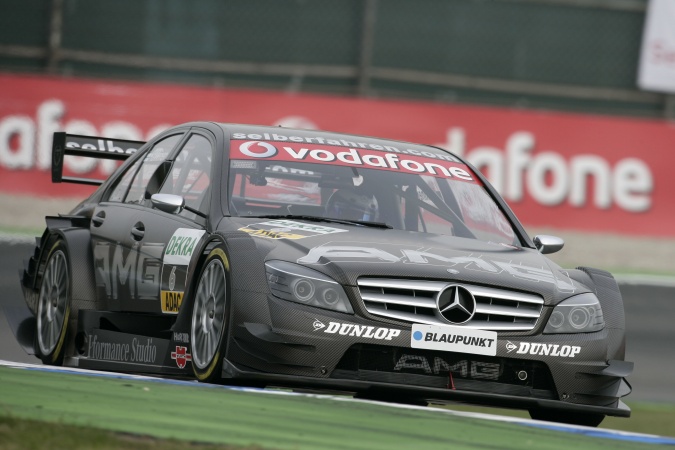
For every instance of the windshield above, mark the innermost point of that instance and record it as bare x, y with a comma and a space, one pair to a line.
364, 187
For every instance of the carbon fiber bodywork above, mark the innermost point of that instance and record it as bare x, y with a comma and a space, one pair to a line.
371, 350
276, 341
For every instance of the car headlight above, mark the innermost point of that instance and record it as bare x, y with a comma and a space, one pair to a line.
306, 286
579, 314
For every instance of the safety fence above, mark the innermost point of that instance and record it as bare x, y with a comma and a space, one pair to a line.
578, 55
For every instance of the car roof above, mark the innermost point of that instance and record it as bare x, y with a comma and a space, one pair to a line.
283, 134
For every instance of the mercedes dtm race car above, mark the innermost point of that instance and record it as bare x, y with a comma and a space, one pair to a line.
276, 257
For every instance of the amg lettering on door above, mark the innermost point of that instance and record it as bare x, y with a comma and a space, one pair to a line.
128, 274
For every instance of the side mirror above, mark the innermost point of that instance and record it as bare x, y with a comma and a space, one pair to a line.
169, 203
548, 244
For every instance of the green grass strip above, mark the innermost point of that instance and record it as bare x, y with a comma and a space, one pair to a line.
33, 435
646, 418
223, 416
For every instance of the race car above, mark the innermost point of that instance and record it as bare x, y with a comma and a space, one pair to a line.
269, 256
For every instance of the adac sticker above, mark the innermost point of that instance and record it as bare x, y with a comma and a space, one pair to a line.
181, 246
287, 229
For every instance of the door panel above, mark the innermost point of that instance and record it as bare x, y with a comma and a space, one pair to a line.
141, 254
114, 262
128, 263
162, 278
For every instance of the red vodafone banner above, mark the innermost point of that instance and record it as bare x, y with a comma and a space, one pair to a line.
350, 157
568, 171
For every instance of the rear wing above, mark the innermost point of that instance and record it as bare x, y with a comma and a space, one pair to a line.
90, 147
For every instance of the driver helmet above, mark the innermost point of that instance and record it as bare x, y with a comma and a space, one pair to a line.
353, 205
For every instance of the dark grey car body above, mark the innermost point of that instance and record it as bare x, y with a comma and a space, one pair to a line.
125, 317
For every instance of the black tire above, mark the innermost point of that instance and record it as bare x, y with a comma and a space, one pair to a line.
585, 419
54, 306
210, 317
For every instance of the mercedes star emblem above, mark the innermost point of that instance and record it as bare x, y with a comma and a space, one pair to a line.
456, 304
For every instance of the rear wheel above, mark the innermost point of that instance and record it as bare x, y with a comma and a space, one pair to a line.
586, 419
210, 317
54, 306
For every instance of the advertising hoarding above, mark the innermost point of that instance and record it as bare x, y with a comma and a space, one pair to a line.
566, 171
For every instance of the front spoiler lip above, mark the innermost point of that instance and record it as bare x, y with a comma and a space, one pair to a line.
230, 371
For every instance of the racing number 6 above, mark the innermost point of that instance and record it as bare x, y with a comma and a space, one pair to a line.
210, 316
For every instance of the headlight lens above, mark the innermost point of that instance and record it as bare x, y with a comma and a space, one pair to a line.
579, 314
302, 285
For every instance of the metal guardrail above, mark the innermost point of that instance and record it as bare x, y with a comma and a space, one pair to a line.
364, 72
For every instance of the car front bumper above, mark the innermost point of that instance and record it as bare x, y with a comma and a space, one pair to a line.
281, 343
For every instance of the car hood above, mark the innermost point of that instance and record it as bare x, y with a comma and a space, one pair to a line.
347, 252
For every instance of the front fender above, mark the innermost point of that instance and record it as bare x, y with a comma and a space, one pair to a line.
606, 288
247, 271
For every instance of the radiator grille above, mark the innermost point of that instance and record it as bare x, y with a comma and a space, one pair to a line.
414, 301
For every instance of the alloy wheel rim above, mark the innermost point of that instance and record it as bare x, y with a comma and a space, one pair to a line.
208, 316
52, 302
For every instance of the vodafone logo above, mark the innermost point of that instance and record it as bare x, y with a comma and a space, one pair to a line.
341, 156
258, 149
26, 141
519, 170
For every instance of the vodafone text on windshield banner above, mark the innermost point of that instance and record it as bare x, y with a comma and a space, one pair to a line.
372, 159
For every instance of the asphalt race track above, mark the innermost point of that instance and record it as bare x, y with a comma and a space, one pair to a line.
650, 311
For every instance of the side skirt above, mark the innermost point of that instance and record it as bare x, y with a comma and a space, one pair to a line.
126, 342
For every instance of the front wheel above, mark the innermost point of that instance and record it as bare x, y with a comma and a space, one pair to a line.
54, 307
586, 419
210, 316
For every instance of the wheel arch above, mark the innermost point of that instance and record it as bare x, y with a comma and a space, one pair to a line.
80, 261
236, 242
185, 313
607, 290
76, 244
81, 265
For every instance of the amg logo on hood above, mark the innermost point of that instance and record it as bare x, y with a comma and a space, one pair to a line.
350, 329
330, 253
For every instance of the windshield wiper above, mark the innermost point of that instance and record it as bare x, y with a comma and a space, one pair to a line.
364, 223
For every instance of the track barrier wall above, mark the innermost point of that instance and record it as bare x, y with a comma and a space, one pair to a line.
568, 171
